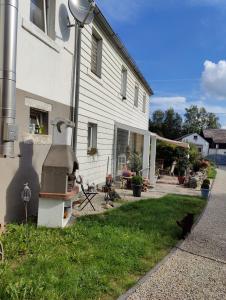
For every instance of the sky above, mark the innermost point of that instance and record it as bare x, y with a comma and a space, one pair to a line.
180, 47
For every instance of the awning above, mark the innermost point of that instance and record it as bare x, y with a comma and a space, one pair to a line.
177, 143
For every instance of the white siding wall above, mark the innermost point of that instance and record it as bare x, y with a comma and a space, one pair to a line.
199, 141
44, 69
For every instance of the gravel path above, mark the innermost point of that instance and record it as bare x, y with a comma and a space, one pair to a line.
197, 269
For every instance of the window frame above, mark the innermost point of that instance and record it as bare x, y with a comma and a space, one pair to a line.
43, 120
99, 41
136, 95
49, 12
124, 81
91, 136
144, 103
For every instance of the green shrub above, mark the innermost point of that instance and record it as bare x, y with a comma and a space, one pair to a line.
137, 180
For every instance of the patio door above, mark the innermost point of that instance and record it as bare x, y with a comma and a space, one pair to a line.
121, 150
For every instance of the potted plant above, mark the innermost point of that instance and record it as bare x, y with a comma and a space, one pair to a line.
182, 166
205, 188
137, 184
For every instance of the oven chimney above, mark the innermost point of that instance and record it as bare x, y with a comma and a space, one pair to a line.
8, 49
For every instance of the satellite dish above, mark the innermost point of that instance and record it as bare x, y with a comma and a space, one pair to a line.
82, 10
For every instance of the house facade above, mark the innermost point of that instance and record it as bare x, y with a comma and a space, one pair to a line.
198, 141
217, 142
113, 109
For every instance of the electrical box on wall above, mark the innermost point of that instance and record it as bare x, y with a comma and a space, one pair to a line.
10, 132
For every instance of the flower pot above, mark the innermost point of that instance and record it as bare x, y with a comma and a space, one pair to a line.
205, 193
181, 179
137, 190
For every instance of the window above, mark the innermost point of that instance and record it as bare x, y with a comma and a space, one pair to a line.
123, 83
92, 138
42, 14
195, 137
39, 121
96, 54
144, 103
136, 96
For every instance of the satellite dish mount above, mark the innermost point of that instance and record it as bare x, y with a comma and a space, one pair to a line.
83, 13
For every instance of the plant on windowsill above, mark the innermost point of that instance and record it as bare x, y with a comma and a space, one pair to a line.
92, 151
137, 183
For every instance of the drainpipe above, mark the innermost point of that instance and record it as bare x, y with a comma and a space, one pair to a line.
8, 47
76, 83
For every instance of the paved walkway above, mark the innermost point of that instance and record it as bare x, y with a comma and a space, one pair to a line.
197, 270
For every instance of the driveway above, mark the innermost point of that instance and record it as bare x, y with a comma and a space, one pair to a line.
196, 270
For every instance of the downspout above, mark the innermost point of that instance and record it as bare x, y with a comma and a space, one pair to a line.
8, 49
76, 84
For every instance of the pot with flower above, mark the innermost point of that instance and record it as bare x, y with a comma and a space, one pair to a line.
137, 184
182, 167
205, 188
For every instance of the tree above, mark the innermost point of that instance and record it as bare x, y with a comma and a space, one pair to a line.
198, 119
167, 124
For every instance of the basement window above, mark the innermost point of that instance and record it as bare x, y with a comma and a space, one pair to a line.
42, 14
92, 139
39, 121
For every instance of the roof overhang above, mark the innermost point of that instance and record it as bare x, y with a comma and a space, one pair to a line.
102, 21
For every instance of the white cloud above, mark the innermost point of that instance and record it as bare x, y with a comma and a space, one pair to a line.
214, 79
179, 103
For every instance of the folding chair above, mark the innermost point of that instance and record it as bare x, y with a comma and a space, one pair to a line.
88, 197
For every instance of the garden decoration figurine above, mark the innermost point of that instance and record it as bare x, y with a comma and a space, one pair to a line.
26, 197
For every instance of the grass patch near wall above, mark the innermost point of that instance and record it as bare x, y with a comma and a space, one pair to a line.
99, 257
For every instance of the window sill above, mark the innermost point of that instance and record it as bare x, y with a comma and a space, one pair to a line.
37, 139
38, 33
95, 77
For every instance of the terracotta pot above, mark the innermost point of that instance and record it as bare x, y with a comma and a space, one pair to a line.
181, 179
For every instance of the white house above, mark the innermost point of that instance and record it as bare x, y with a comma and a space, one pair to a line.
197, 140
114, 99
217, 142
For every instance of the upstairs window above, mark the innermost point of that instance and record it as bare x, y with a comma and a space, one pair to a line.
92, 138
195, 137
42, 14
136, 95
144, 103
96, 54
123, 83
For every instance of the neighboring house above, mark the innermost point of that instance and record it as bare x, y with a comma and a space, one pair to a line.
197, 140
113, 108
217, 142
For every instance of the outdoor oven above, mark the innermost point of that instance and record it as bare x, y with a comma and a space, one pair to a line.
58, 178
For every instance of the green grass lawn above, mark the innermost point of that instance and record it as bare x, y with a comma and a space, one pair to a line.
99, 257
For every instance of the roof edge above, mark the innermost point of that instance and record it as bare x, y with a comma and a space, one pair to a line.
100, 18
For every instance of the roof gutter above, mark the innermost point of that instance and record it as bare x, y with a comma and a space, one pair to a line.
8, 49
101, 20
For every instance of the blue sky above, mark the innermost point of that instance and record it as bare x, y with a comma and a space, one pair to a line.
179, 45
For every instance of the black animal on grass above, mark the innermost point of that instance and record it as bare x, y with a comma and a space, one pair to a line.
186, 224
